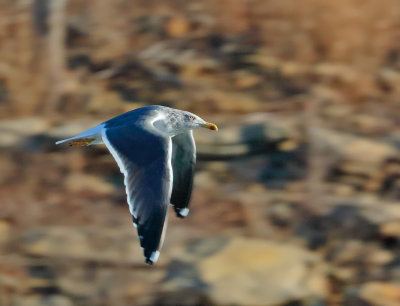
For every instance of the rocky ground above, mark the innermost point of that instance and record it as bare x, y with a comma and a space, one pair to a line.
296, 198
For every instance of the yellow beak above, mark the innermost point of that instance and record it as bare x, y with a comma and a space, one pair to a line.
210, 126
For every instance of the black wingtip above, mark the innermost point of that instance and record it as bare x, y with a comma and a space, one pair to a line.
149, 262
179, 215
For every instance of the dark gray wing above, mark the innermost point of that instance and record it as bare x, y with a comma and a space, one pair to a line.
145, 160
183, 163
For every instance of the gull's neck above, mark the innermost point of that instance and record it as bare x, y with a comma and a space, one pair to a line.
166, 125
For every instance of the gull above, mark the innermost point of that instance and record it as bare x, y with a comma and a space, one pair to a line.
155, 150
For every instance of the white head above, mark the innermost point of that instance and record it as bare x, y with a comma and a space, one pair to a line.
192, 121
178, 121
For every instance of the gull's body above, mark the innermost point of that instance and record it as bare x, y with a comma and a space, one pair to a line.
155, 150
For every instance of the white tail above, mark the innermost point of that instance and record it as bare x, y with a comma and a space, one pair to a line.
88, 137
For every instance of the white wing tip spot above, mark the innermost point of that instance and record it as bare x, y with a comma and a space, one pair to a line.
184, 212
154, 256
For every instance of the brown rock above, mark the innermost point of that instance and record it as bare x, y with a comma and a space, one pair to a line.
88, 285
40, 300
118, 246
267, 273
5, 233
78, 182
349, 147
380, 257
14, 131
368, 150
177, 27
344, 274
379, 293
12, 276
245, 80
359, 168
391, 229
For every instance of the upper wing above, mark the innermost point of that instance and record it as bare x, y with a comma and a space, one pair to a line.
145, 160
183, 163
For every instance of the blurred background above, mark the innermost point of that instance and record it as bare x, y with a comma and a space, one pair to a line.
296, 198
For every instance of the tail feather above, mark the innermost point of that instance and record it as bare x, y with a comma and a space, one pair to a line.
91, 136
77, 142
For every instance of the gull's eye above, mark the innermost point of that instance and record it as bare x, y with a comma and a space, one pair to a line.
191, 117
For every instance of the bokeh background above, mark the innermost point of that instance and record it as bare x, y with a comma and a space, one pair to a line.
296, 198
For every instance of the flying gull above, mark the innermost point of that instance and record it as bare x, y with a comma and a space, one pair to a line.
155, 150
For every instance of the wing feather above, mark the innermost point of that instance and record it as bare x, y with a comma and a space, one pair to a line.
145, 160
183, 163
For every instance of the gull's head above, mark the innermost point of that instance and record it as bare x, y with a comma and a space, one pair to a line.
176, 121
192, 121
